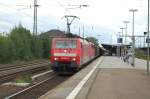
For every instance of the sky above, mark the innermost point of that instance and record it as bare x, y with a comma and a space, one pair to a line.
101, 19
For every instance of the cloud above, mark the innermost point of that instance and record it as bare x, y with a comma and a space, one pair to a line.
106, 16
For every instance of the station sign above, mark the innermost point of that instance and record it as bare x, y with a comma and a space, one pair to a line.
119, 40
147, 40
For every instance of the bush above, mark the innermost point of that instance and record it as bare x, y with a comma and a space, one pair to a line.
46, 46
21, 39
23, 78
140, 54
20, 44
5, 49
36, 47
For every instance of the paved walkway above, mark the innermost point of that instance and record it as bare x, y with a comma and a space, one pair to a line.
111, 78
114, 62
139, 63
118, 80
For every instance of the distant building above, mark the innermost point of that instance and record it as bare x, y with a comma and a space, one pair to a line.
116, 49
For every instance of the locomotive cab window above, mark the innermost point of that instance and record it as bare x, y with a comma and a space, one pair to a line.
66, 44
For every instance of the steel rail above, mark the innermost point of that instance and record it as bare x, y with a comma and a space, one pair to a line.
7, 67
30, 87
9, 74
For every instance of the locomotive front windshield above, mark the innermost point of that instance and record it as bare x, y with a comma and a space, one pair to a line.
65, 44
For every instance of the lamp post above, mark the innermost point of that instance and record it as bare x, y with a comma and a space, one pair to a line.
148, 40
133, 38
126, 22
122, 30
122, 43
119, 47
145, 33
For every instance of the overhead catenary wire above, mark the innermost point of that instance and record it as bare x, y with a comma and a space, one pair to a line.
13, 8
62, 6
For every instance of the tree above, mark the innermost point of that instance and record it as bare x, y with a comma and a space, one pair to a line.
5, 49
21, 38
37, 46
46, 46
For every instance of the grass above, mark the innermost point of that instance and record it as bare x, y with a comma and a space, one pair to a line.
23, 79
141, 55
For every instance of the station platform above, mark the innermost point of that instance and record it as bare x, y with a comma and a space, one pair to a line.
108, 77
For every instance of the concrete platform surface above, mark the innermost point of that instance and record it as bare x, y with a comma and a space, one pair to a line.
139, 63
112, 79
120, 84
114, 62
116, 79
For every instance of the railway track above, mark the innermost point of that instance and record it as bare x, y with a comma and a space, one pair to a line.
4, 66
9, 67
36, 90
9, 72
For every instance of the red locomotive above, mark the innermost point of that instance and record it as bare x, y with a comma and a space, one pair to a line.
69, 54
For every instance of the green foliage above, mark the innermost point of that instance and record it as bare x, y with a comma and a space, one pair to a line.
5, 49
37, 47
140, 54
46, 46
23, 79
20, 44
21, 39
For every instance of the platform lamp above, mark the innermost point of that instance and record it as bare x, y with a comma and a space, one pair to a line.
119, 40
122, 43
126, 23
133, 38
145, 33
148, 40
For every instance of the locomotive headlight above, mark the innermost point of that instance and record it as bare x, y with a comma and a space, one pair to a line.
55, 59
74, 59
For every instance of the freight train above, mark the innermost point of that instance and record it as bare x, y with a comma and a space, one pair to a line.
70, 54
